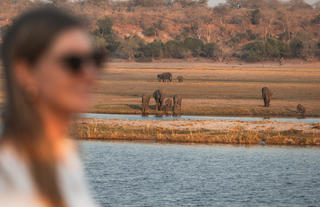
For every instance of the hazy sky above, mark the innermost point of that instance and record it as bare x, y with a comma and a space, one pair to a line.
216, 2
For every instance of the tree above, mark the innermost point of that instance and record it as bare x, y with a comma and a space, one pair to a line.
194, 45
255, 17
174, 49
299, 4
105, 31
316, 19
211, 50
296, 47
153, 49
253, 51
129, 47
276, 49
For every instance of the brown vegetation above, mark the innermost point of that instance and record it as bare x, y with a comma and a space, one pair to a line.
204, 132
273, 28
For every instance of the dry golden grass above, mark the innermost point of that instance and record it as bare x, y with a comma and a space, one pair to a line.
238, 135
211, 89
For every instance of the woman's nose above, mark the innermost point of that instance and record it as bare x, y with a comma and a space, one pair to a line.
90, 73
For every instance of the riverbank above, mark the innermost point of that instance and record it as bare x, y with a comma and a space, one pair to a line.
199, 131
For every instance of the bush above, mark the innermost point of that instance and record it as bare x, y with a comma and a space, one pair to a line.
253, 51
296, 48
275, 48
255, 17
174, 49
105, 31
211, 50
269, 49
129, 48
251, 35
194, 45
316, 20
104, 27
149, 32
153, 49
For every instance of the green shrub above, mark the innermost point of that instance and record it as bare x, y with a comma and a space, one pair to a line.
194, 45
275, 48
296, 48
211, 50
129, 47
253, 51
255, 17
174, 49
149, 32
316, 20
153, 49
105, 31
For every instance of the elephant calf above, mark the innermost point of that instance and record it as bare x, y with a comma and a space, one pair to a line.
145, 103
177, 101
266, 95
168, 104
301, 110
180, 79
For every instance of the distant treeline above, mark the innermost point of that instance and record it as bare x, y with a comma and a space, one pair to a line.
269, 48
145, 30
135, 48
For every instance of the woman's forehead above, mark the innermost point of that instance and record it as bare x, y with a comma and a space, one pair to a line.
72, 40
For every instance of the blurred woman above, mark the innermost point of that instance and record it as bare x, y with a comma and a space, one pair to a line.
50, 65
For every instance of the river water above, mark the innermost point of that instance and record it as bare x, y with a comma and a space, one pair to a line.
149, 174
153, 117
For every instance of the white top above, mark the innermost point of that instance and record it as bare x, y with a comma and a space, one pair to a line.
18, 190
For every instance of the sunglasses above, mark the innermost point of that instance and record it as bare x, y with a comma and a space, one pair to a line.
77, 63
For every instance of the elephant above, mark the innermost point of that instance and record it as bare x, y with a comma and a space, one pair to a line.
167, 77
145, 103
180, 78
168, 104
266, 95
164, 77
160, 77
159, 96
177, 101
301, 110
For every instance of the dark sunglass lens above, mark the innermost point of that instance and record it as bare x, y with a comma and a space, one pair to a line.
74, 63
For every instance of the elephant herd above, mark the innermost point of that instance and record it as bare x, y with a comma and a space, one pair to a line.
163, 103
167, 77
173, 104
267, 94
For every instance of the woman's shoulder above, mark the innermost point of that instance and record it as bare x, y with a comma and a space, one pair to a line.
16, 187
13, 170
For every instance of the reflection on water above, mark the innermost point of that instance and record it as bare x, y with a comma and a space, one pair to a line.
135, 174
163, 117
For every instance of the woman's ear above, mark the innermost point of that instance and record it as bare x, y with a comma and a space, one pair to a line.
25, 79
22, 73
